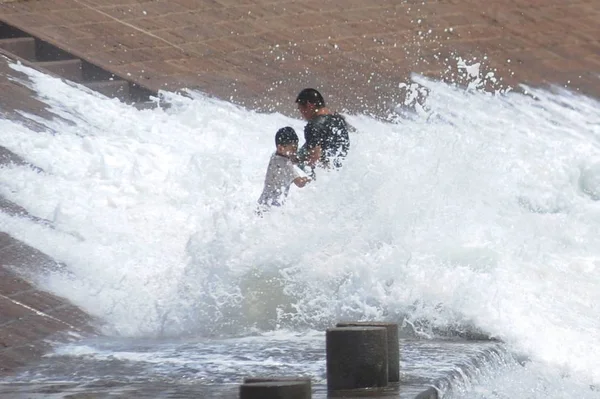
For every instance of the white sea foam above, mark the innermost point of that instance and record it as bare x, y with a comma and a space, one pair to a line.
481, 213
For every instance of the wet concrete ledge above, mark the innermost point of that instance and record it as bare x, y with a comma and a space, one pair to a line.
413, 385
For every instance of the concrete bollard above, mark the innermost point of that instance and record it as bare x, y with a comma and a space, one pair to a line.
292, 389
392, 342
357, 357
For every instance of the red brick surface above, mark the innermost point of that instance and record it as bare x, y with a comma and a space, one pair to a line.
269, 49
28, 316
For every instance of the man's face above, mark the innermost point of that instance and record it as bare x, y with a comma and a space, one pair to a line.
306, 110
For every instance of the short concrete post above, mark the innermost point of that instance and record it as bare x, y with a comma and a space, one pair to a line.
297, 389
357, 357
392, 342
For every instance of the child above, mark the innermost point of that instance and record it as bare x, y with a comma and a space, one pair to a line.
282, 172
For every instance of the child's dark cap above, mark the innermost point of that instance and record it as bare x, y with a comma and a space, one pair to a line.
286, 135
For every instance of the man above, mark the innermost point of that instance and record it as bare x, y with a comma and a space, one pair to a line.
326, 133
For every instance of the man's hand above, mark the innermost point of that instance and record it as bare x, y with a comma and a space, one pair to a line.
301, 181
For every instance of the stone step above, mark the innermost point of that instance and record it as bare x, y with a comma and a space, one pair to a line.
68, 69
23, 47
111, 88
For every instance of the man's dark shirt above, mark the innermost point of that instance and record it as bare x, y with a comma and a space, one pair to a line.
331, 133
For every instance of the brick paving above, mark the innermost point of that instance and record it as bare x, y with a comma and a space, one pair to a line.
28, 316
261, 52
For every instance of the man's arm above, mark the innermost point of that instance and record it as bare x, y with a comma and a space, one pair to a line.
314, 155
313, 134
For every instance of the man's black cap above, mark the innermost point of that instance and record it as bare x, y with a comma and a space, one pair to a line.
310, 96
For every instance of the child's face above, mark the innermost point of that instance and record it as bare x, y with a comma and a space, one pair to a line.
288, 149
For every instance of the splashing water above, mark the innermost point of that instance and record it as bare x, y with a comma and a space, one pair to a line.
481, 213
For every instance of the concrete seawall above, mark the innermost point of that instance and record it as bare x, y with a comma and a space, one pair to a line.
259, 54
